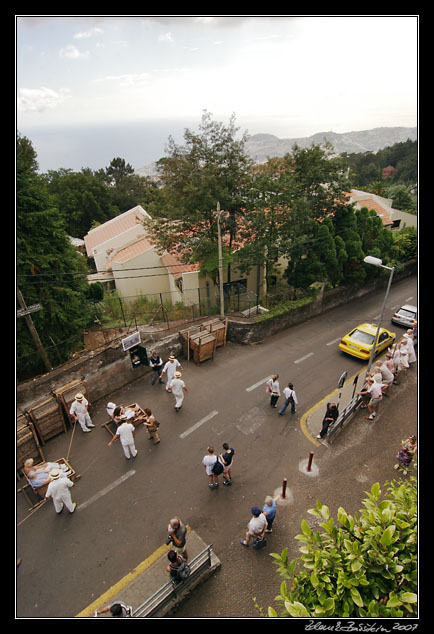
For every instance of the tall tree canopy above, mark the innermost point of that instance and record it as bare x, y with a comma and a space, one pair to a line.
210, 167
49, 270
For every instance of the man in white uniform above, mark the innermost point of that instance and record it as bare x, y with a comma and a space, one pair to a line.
177, 387
170, 367
79, 412
126, 432
58, 490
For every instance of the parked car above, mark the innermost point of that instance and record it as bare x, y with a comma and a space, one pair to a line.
358, 343
405, 316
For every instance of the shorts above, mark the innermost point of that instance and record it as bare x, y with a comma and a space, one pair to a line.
374, 401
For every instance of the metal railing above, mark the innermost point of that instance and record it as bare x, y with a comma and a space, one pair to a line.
173, 589
348, 410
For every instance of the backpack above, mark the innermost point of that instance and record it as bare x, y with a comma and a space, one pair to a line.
217, 467
182, 572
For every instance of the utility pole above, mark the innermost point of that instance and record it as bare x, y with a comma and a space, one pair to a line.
222, 301
25, 312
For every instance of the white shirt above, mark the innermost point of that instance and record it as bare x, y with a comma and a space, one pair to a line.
57, 488
287, 393
79, 407
257, 524
125, 433
177, 386
274, 386
208, 461
170, 368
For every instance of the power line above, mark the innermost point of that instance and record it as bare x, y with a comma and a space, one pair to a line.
302, 246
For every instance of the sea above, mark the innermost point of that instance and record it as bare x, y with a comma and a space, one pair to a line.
78, 147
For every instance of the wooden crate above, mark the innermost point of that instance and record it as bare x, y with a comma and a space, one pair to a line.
48, 419
202, 346
28, 445
185, 339
218, 328
65, 395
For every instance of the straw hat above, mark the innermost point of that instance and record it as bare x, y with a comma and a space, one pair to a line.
54, 474
79, 397
177, 375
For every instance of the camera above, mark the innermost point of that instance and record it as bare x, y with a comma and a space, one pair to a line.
169, 540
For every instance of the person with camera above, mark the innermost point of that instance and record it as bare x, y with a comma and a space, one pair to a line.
177, 536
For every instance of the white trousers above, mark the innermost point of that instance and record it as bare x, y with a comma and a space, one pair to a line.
84, 420
66, 500
130, 451
179, 398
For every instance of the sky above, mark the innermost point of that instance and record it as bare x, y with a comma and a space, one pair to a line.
90, 88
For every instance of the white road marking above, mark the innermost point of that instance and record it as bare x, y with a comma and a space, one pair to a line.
330, 343
306, 356
107, 489
198, 424
408, 299
261, 382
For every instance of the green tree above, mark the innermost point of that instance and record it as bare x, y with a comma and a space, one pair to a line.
81, 198
49, 270
358, 567
210, 167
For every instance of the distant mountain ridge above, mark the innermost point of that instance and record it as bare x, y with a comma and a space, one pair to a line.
263, 146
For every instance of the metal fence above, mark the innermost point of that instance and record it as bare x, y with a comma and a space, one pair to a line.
172, 590
115, 311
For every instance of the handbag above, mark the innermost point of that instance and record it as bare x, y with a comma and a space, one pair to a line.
259, 543
217, 467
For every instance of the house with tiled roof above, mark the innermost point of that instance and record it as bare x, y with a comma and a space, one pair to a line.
391, 218
127, 259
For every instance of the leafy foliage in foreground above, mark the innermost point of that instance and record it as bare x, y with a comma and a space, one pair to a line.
362, 566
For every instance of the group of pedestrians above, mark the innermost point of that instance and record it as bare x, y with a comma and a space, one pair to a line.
273, 388
387, 372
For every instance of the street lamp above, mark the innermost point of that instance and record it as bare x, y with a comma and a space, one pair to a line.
369, 259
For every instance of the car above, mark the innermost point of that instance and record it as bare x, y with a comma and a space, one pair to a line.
359, 341
405, 316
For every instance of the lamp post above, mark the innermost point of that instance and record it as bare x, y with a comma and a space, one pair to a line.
222, 300
377, 262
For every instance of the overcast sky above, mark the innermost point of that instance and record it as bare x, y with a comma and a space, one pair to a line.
287, 75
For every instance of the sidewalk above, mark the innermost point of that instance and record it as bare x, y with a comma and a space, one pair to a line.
148, 577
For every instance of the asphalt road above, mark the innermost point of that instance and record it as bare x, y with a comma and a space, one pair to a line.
68, 561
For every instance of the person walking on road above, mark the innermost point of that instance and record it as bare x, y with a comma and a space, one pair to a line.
269, 510
290, 397
226, 458
126, 432
210, 462
152, 426
178, 387
79, 412
156, 365
274, 389
170, 367
58, 490
257, 526
330, 417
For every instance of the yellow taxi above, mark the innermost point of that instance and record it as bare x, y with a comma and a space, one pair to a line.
359, 341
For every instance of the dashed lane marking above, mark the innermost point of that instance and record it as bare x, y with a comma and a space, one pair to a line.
198, 424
